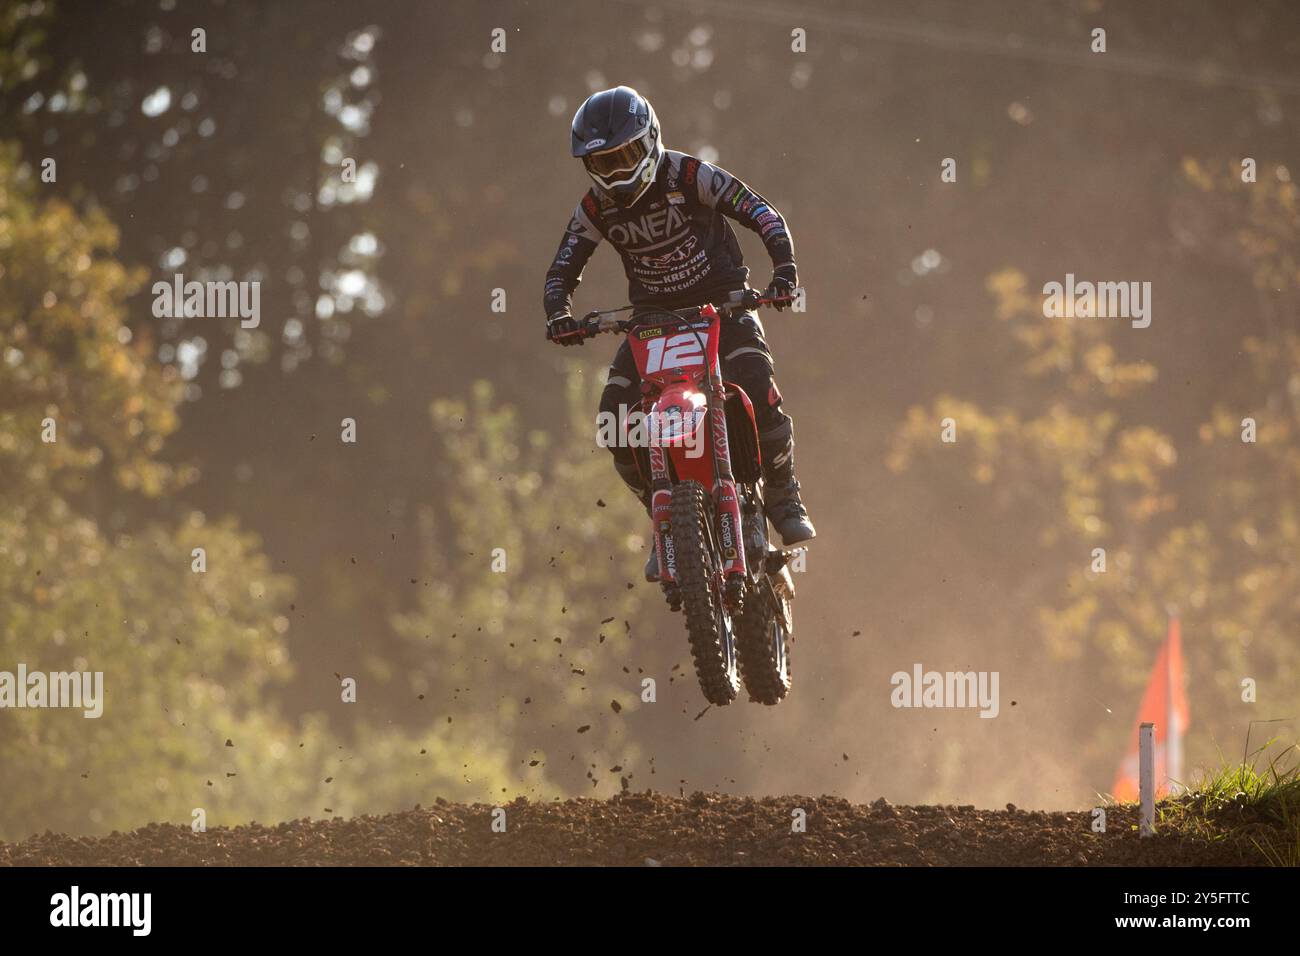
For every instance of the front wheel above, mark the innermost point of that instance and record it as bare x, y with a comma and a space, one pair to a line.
699, 578
763, 643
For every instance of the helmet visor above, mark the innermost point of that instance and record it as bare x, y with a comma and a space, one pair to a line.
620, 159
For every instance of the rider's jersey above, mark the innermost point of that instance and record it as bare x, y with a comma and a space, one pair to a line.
677, 248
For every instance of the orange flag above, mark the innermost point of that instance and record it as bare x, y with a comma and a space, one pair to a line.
1165, 705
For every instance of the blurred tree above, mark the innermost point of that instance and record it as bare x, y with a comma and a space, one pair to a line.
225, 164
187, 658
246, 161
1084, 457
527, 620
68, 355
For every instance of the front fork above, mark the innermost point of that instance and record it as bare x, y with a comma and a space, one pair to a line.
661, 510
725, 499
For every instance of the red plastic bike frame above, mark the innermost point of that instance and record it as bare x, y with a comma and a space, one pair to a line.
686, 397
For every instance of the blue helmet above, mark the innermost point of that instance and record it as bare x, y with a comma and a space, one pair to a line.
616, 135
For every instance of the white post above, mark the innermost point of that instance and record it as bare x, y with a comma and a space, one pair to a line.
1146, 779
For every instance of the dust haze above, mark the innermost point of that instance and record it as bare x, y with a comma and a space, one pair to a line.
372, 559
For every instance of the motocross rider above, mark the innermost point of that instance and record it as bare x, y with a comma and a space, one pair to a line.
663, 212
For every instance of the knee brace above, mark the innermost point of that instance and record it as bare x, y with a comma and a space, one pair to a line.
751, 369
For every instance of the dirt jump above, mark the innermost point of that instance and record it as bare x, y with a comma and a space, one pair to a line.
652, 829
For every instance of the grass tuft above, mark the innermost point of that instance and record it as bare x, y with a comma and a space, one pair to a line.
1246, 805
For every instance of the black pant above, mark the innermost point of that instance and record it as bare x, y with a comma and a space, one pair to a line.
746, 360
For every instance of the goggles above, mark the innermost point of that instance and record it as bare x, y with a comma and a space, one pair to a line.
621, 159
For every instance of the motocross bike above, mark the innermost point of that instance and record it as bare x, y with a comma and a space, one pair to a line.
699, 455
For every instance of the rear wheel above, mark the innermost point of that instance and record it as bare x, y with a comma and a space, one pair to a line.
710, 628
763, 644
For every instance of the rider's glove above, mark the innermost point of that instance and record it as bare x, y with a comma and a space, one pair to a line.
563, 328
784, 281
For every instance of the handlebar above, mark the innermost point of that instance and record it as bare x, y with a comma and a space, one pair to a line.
742, 300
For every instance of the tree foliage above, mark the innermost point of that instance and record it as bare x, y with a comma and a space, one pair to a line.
526, 623
1090, 452
190, 659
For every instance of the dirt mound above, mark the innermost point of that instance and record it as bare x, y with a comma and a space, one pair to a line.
640, 829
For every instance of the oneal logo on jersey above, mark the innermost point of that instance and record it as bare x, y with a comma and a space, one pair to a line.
103, 909
652, 227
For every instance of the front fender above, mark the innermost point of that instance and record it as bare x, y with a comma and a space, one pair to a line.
676, 423
676, 420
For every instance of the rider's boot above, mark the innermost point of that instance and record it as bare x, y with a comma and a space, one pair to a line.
785, 509
631, 476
